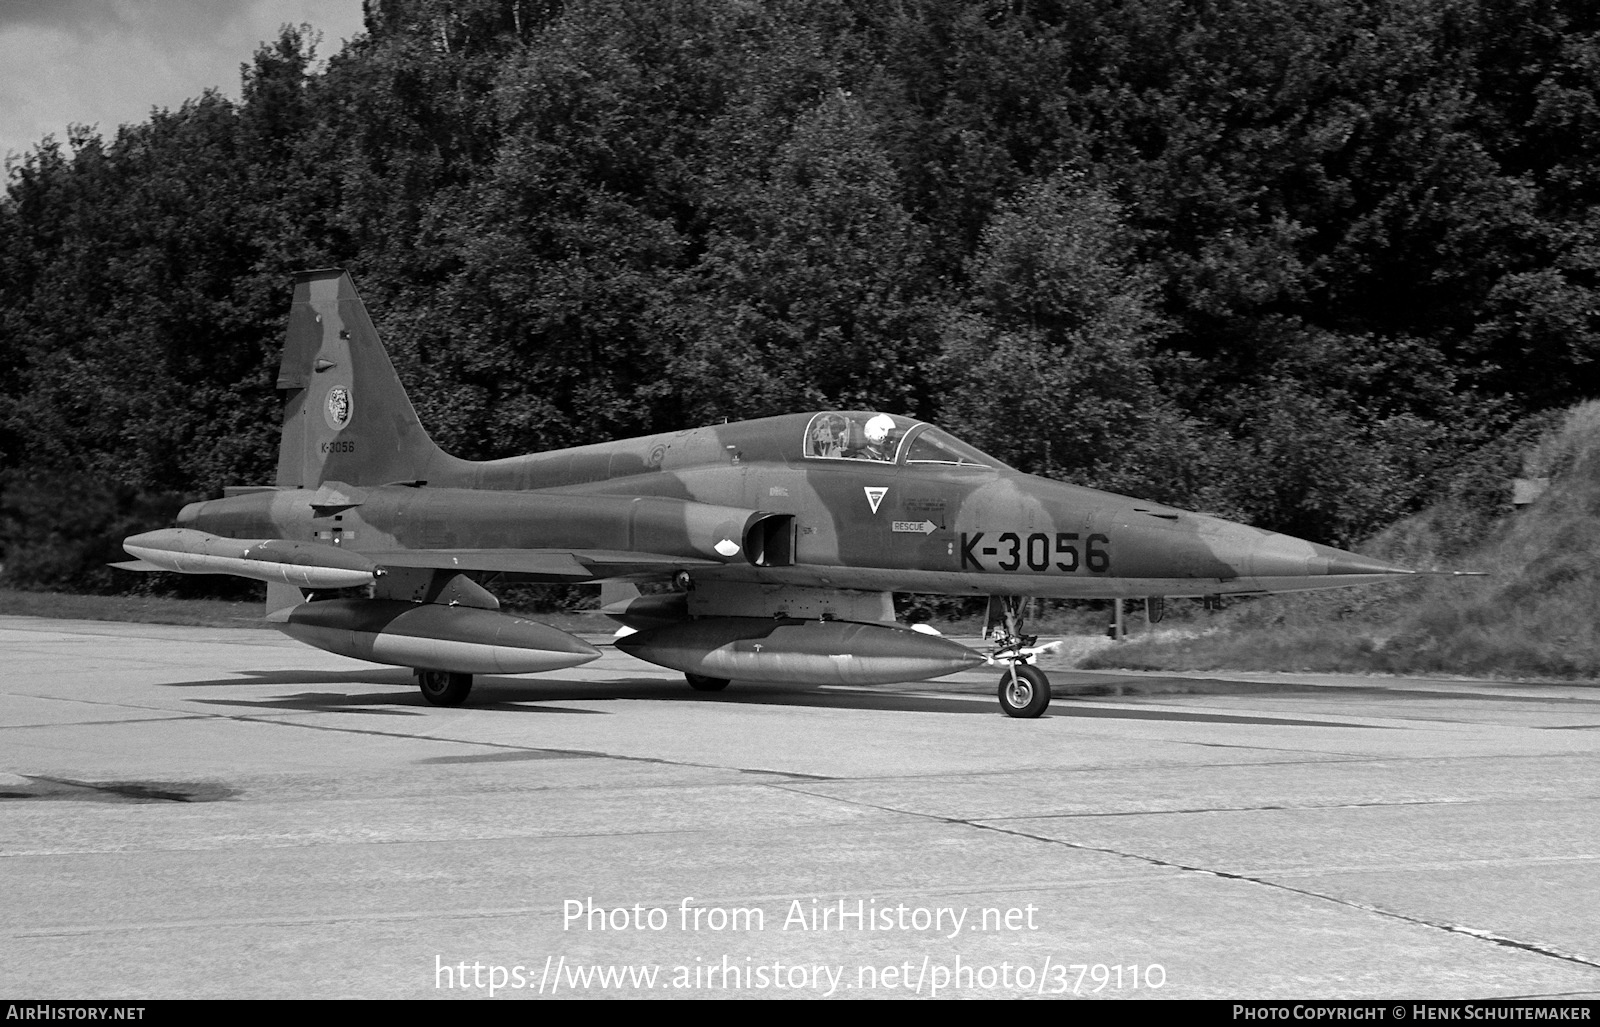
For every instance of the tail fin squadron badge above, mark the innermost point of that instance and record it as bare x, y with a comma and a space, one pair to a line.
338, 408
875, 494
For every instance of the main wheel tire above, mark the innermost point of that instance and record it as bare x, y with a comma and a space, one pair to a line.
443, 687
701, 683
1024, 691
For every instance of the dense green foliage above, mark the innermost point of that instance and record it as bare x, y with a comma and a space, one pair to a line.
1285, 260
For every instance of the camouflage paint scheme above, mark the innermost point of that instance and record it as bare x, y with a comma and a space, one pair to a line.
809, 516
970, 529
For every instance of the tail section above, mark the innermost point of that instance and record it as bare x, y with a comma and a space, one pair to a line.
347, 417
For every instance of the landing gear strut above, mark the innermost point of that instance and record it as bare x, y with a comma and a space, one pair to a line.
1024, 689
443, 687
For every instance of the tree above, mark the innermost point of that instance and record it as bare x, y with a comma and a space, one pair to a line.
1052, 367
808, 294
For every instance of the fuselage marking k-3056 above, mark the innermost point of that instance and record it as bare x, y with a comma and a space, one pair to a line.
1036, 552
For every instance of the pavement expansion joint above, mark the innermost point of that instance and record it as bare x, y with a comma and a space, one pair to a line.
789, 775
1276, 807
1438, 925
116, 722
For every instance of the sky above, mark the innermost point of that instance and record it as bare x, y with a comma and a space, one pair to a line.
108, 62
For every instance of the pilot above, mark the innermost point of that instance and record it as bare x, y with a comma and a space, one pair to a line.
880, 438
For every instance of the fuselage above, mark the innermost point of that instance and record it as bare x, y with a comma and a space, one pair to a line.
919, 512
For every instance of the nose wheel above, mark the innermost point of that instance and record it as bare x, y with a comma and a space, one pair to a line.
1024, 689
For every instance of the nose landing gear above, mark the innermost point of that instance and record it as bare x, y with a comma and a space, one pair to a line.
1024, 689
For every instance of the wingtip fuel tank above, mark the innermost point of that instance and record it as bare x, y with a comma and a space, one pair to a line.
273, 560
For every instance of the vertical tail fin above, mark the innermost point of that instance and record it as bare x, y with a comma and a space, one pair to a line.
346, 417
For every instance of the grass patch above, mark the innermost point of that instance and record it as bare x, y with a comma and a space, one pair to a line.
210, 613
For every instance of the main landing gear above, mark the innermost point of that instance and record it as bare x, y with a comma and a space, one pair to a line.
443, 687
1024, 689
701, 683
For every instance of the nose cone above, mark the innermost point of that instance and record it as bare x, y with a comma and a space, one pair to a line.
1246, 559
1337, 561
1283, 556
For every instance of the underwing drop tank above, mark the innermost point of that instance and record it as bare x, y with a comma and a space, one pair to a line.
799, 651
428, 636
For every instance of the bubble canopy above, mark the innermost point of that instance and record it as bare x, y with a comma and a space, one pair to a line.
886, 438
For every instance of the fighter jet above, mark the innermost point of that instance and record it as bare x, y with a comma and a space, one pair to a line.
782, 539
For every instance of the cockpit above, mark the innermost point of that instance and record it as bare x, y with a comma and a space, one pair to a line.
886, 438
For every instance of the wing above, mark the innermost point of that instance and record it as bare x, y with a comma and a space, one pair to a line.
548, 565
317, 565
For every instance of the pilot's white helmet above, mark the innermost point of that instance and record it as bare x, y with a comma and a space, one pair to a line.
879, 428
